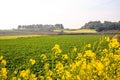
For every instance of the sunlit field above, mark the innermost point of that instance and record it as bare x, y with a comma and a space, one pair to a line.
65, 57
78, 31
17, 36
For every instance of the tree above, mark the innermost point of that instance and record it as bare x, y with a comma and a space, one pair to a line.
107, 25
92, 25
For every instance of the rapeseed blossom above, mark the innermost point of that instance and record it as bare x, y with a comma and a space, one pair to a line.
46, 66
116, 57
79, 56
89, 53
32, 77
87, 65
49, 78
14, 78
43, 56
105, 50
49, 73
114, 44
107, 39
56, 49
74, 49
65, 57
84, 65
25, 74
32, 61
88, 45
99, 66
41, 77
1, 57
15, 72
67, 75
59, 68
3, 62
4, 73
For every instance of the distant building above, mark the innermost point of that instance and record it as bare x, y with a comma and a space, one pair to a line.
41, 27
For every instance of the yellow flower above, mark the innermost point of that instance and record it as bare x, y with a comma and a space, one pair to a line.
65, 57
88, 45
67, 75
56, 49
33, 77
84, 65
63, 77
107, 39
46, 66
73, 66
106, 61
99, 66
1, 57
15, 72
105, 50
4, 73
79, 56
78, 77
74, 49
59, 68
49, 73
116, 57
100, 73
78, 63
89, 53
32, 61
3, 62
43, 56
59, 65
25, 73
114, 44
82, 72
19, 79
14, 78
49, 78
118, 51
89, 67
41, 77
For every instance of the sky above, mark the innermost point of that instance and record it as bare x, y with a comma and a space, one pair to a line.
71, 13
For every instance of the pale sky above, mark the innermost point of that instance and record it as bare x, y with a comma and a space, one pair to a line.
70, 13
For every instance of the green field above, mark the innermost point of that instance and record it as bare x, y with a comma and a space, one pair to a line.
44, 43
18, 51
17, 36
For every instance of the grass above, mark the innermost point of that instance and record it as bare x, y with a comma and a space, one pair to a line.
78, 31
17, 36
22, 48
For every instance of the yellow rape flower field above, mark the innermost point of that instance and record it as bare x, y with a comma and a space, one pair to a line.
99, 64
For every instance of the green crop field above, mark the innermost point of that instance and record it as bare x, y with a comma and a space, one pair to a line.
63, 57
17, 36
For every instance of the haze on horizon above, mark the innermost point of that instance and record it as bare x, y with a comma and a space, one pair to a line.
71, 13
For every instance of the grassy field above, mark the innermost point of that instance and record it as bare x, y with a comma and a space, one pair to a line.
63, 57
17, 36
78, 31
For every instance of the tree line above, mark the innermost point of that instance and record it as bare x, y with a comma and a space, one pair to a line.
41, 27
98, 26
